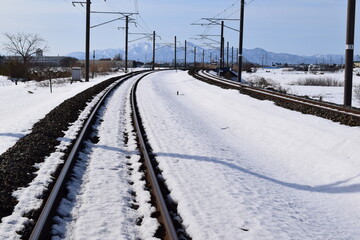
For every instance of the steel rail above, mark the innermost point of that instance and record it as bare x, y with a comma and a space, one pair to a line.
162, 207
286, 97
44, 221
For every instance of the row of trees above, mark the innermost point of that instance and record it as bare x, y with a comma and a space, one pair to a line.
26, 46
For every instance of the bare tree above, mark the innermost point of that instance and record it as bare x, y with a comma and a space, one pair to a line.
24, 45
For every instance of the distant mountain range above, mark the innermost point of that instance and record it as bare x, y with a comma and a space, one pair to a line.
143, 52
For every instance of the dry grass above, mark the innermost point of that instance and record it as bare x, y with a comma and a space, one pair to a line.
319, 81
357, 93
268, 83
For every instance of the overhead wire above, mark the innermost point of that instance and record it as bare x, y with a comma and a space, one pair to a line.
141, 23
249, 2
232, 5
101, 20
209, 27
110, 6
82, 8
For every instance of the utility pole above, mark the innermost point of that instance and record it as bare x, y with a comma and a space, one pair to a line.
237, 54
232, 57
87, 44
227, 55
126, 42
153, 58
93, 70
222, 46
195, 58
215, 21
203, 58
126, 15
241, 35
185, 53
349, 53
175, 54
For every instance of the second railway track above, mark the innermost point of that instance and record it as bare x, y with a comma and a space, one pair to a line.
337, 113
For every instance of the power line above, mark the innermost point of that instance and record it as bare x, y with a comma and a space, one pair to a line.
112, 8
209, 27
247, 4
226, 9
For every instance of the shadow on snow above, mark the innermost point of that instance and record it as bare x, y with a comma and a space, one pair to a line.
333, 188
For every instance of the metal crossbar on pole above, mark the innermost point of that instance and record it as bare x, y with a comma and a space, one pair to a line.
122, 13
107, 22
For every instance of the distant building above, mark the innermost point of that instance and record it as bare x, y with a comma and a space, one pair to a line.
39, 59
112, 63
39, 52
357, 64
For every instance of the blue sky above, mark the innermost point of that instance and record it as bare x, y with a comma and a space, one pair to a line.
304, 27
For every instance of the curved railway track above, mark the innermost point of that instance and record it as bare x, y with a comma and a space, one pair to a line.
337, 113
43, 224
165, 218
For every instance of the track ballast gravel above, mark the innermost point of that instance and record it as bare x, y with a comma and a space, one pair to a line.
17, 163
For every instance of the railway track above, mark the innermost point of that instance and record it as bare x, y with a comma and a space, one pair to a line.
337, 113
44, 223
164, 217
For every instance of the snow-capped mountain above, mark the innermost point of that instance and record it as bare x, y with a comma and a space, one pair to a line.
165, 53
261, 56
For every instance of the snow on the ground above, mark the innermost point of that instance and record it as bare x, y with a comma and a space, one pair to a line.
99, 203
4, 81
19, 111
287, 79
100, 198
238, 167
241, 168
28, 197
22, 105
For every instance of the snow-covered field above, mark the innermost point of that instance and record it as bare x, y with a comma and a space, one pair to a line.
240, 168
287, 78
22, 105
